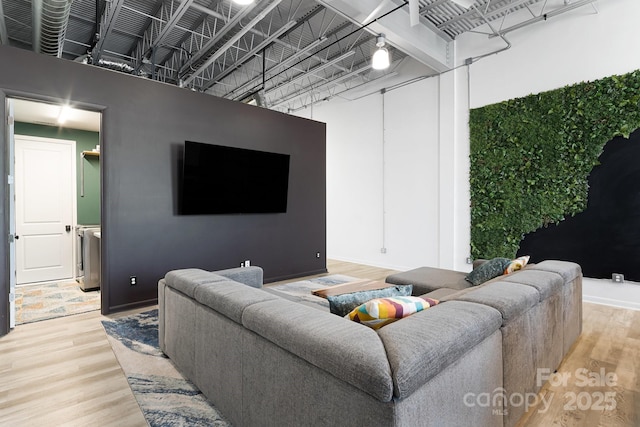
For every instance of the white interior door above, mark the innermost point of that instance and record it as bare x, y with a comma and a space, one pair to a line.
45, 195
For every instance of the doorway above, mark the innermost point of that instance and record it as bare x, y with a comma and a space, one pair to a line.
57, 191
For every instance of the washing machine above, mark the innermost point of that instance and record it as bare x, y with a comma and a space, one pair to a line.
88, 257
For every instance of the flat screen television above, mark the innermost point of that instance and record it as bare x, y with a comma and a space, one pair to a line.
217, 179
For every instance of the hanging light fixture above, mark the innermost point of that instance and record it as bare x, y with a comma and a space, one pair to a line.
381, 58
243, 2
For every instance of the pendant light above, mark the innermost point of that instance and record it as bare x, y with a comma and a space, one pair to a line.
380, 59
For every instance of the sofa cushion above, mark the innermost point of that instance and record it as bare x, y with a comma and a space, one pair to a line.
427, 279
343, 304
379, 312
510, 299
189, 279
344, 349
490, 269
230, 298
546, 282
568, 270
423, 345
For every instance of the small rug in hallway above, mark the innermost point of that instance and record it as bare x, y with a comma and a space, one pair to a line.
302, 289
165, 397
48, 301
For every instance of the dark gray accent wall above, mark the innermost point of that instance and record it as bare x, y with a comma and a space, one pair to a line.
144, 126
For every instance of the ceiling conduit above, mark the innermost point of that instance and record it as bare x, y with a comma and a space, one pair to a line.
50, 19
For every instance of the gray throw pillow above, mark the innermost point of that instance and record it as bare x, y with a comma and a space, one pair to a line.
488, 270
345, 303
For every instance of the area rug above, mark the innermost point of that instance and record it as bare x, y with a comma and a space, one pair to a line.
42, 302
302, 289
165, 397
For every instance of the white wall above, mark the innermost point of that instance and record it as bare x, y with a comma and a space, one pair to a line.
382, 176
577, 46
425, 220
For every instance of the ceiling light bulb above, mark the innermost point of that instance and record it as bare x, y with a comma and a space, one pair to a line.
380, 60
243, 2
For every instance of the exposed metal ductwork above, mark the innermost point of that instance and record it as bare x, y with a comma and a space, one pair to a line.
50, 20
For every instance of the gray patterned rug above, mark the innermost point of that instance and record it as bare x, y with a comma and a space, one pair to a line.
165, 397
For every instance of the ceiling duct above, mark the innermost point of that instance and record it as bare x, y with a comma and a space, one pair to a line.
51, 18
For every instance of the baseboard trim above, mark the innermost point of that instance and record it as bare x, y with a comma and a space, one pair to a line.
130, 306
611, 302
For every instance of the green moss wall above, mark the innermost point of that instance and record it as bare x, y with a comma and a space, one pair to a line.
531, 157
88, 206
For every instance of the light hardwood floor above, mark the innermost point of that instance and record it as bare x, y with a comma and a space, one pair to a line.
63, 371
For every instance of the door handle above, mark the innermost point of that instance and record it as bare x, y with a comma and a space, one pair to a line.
67, 228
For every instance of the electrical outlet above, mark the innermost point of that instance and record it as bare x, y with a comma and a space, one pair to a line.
617, 278
247, 263
133, 280
469, 260
317, 254
383, 250
242, 264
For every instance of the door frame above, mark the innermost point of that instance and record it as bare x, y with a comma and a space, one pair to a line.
5, 95
74, 192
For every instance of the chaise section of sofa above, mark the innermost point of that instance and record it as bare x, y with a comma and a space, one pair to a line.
541, 310
268, 361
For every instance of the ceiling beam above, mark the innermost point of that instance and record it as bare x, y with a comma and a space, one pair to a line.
543, 16
229, 25
107, 24
170, 25
237, 36
314, 87
283, 64
312, 71
423, 42
266, 42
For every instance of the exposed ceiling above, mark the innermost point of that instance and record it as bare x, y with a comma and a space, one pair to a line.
281, 54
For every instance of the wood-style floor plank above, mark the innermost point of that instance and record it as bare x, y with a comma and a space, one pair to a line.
62, 372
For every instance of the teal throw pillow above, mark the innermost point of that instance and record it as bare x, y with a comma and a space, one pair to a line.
488, 270
345, 303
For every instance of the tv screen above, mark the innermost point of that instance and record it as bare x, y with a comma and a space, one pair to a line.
228, 180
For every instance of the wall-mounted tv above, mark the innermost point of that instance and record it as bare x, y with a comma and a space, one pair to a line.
217, 179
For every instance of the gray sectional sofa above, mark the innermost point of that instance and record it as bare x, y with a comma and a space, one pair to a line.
265, 360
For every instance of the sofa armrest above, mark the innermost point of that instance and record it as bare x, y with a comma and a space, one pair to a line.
250, 276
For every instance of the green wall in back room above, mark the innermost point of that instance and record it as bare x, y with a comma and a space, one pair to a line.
88, 206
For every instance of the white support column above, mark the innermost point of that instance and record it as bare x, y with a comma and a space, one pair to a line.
447, 165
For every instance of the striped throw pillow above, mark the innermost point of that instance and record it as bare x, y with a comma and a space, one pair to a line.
381, 311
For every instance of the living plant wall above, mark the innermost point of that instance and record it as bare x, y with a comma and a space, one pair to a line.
531, 157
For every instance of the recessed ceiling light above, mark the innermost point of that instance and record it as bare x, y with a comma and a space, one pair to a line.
65, 111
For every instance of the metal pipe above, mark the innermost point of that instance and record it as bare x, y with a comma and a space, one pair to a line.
544, 16
50, 20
